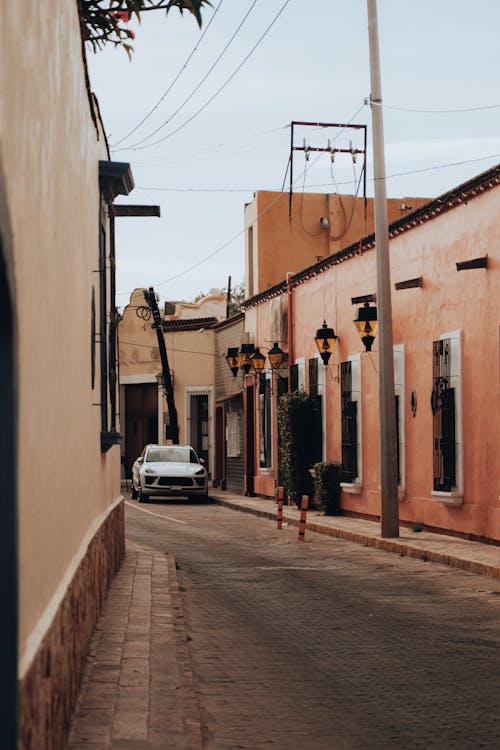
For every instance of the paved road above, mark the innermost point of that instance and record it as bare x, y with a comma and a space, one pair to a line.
326, 645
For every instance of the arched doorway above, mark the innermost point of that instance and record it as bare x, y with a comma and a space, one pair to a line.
8, 502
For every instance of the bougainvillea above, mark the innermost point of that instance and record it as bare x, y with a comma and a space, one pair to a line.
105, 21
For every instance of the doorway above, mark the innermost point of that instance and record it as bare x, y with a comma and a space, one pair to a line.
8, 527
199, 435
141, 420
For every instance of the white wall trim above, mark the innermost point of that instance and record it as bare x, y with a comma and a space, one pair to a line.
146, 377
455, 497
301, 373
201, 390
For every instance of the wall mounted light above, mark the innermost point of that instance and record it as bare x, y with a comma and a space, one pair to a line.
367, 325
232, 359
244, 357
325, 341
276, 356
258, 361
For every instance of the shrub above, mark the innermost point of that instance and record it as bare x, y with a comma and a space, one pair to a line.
296, 423
327, 478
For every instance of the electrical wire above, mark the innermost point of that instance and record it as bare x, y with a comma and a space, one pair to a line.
174, 349
435, 111
219, 90
282, 195
242, 231
347, 224
200, 83
321, 184
210, 151
174, 81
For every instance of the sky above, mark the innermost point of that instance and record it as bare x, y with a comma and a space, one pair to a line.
222, 99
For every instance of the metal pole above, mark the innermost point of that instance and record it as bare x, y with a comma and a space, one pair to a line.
150, 298
388, 453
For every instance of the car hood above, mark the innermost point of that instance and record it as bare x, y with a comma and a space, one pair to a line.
172, 468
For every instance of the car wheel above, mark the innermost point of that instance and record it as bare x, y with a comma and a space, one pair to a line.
133, 493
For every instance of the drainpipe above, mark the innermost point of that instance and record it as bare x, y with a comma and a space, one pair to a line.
291, 354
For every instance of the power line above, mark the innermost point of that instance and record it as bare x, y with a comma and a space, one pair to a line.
198, 86
181, 70
436, 111
210, 150
320, 184
221, 88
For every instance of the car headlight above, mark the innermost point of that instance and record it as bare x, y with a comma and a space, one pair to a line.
200, 471
149, 471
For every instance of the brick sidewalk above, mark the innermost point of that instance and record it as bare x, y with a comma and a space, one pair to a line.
137, 690
474, 557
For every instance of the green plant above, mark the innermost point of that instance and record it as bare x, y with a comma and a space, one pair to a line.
327, 478
104, 21
296, 423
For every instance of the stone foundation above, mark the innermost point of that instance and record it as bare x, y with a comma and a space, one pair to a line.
48, 691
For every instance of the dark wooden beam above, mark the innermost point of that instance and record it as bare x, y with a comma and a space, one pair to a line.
364, 298
136, 210
409, 283
465, 265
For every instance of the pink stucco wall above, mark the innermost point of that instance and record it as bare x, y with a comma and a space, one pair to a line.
448, 301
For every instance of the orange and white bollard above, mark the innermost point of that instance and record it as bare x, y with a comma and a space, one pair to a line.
303, 516
280, 507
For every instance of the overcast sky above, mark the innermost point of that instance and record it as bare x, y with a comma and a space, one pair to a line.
311, 65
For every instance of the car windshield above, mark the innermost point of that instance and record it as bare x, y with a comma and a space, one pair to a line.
181, 454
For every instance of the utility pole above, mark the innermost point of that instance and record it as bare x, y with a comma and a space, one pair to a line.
150, 298
388, 449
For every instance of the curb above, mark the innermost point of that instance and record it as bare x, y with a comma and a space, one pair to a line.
191, 708
401, 548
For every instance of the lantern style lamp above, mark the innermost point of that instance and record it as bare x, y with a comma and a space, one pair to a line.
276, 356
244, 357
325, 341
258, 361
367, 325
232, 359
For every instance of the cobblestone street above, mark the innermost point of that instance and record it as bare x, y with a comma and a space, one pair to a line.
326, 644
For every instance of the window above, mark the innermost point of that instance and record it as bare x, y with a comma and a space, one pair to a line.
265, 426
349, 424
314, 392
446, 422
233, 427
400, 412
350, 388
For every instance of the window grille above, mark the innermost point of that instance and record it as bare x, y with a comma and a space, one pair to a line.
349, 424
443, 410
265, 423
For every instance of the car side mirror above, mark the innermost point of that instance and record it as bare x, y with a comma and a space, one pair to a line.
202, 461
140, 460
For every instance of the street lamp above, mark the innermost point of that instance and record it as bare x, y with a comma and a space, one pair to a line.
367, 325
232, 359
276, 356
244, 357
325, 341
258, 361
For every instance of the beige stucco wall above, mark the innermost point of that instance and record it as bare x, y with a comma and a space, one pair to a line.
191, 360
50, 150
